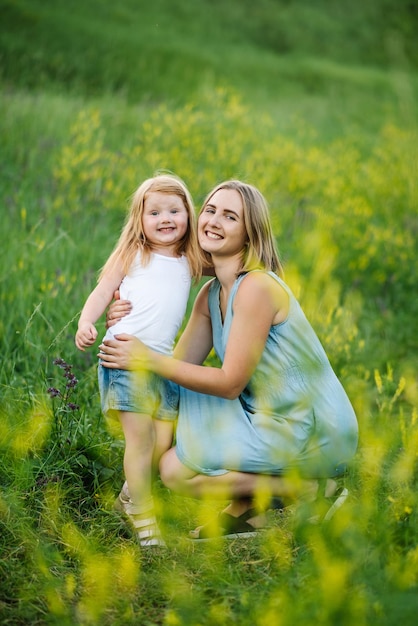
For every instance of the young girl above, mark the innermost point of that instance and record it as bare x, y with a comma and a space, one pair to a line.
152, 265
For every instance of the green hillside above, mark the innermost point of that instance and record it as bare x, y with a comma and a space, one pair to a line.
161, 49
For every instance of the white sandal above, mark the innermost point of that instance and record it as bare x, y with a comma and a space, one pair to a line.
146, 528
123, 499
334, 502
148, 532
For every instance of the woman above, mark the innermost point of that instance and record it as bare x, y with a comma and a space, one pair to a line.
274, 413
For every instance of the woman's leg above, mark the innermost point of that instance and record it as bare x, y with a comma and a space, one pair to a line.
250, 494
232, 485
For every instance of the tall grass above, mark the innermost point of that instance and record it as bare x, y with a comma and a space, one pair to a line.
338, 164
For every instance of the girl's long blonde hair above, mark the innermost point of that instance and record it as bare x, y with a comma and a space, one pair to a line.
260, 251
132, 238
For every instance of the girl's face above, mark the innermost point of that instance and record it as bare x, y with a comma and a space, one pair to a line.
221, 228
164, 221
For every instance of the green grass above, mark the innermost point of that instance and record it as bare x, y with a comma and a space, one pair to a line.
315, 103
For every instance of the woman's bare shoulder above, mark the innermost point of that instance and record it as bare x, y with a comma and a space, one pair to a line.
262, 287
260, 280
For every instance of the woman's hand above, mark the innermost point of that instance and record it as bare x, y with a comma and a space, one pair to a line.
125, 352
117, 310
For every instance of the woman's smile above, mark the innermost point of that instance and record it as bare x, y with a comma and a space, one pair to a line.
211, 235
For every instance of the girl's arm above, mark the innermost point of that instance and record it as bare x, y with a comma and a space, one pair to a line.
95, 306
259, 303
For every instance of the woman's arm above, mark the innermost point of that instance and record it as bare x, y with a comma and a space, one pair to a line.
259, 303
117, 309
196, 340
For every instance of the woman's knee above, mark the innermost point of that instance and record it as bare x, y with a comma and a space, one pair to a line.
175, 475
167, 474
171, 470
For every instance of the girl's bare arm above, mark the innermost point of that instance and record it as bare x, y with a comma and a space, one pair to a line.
95, 305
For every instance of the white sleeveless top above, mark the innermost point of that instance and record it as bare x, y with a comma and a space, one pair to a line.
158, 293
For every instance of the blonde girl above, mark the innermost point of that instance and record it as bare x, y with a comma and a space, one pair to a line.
152, 265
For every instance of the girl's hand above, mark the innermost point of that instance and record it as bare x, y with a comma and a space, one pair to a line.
125, 352
117, 310
86, 335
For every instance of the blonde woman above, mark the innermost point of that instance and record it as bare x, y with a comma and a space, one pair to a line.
152, 264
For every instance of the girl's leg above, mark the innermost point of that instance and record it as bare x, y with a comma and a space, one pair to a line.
139, 450
163, 439
137, 463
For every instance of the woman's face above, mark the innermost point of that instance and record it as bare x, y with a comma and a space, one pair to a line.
221, 228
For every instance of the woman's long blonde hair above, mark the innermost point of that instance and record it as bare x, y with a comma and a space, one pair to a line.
132, 238
260, 251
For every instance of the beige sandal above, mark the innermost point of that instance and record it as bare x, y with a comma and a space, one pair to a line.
326, 505
123, 499
146, 528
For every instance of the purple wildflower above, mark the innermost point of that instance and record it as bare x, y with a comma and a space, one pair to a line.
53, 392
70, 386
61, 363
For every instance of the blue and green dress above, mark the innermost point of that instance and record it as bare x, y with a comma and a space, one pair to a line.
293, 416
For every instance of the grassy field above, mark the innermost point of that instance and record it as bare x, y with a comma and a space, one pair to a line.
316, 104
